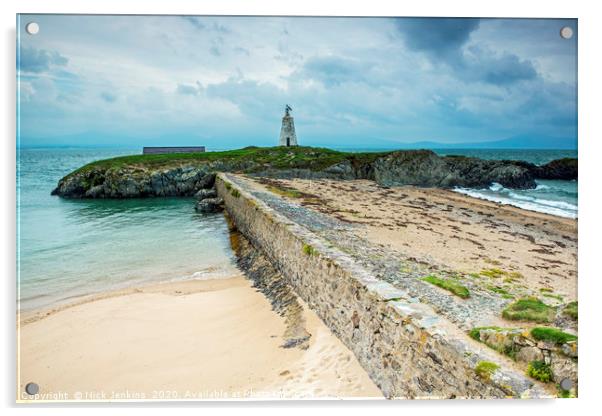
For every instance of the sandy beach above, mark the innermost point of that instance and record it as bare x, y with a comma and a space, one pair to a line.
452, 230
213, 339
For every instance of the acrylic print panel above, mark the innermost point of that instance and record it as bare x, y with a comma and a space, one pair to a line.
296, 207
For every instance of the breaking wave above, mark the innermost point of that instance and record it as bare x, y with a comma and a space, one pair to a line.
550, 197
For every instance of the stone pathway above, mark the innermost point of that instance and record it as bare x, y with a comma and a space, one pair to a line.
483, 308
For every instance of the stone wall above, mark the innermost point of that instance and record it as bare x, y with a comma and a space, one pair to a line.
406, 348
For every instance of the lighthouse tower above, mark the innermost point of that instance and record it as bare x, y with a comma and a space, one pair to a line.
287, 132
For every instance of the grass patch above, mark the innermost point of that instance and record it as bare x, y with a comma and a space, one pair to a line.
228, 185
572, 310
539, 370
529, 309
552, 335
309, 250
454, 287
235, 193
485, 369
248, 159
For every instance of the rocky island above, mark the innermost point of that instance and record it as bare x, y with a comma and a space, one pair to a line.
184, 174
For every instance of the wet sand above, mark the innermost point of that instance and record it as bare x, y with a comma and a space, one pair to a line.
214, 339
455, 231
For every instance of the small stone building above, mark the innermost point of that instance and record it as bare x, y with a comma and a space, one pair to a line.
287, 132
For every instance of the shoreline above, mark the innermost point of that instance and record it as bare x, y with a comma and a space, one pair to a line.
507, 201
194, 336
32, 314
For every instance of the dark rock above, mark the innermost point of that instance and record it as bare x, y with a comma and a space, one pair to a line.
564, 169
471, 172
425, 168
296, 342
95, 192
511, 176
343, 169
207, 181
412, 167
210, 205
205, 193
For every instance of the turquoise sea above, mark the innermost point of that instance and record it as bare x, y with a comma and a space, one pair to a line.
552, 197
70, 248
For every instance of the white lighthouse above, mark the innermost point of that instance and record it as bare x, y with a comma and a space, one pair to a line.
287, 132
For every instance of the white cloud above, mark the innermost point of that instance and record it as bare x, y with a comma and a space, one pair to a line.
348, 79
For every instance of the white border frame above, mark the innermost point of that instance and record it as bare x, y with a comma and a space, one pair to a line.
590, 134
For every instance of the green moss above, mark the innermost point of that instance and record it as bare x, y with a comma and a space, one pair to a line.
485, 369
529, 309
309, 250
572, 310
494, 273
510, 352
498, 290
564, 394
474, 333
450, 285
228, 185
285, 191
552, 335
235, 193
553, 296
539, 370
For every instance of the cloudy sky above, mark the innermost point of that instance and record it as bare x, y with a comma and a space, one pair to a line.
352, 82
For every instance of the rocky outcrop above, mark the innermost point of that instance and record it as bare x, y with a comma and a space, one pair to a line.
206, 193
425, 168
411, 167
565, 169
209, 205
134, 182
416, 167
208, 200
519, 344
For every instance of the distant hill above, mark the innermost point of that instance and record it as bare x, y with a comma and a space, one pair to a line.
222, 143
517, 142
